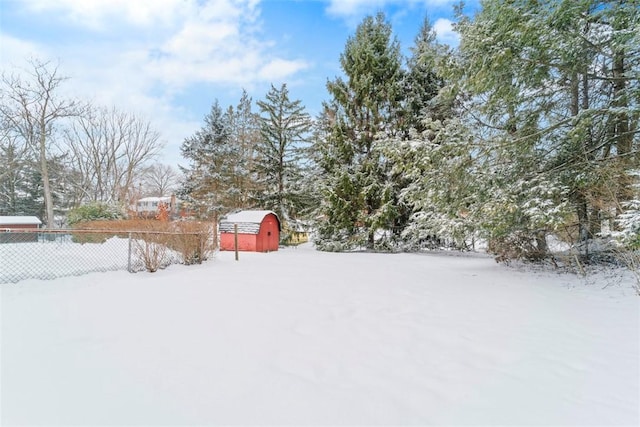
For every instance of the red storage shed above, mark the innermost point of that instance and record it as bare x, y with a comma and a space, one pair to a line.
258, 231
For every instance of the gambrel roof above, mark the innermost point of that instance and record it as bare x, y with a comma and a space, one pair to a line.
248, 221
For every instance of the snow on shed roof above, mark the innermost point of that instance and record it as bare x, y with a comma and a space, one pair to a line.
255, 217
248, 221
16, 220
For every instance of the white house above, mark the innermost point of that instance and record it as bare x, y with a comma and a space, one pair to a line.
148, 206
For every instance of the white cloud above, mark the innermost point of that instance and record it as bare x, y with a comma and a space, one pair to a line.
279, 69
163, 47
200, 39
219, 42
98, 14
445, 32
15, 50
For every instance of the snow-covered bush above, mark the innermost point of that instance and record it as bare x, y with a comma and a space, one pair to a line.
520, 215
93, 212
340, 242
629, 223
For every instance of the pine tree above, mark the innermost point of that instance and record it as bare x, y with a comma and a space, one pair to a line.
13, 175
442, 186
420, 169
628, 221
245, 134
284, 130
210, 173
423, 82
364, 113
30, 201
554, 101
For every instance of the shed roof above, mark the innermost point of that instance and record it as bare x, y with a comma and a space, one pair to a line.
248, 216
19, 220
248, 221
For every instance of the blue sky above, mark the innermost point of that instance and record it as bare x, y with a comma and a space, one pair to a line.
167, 60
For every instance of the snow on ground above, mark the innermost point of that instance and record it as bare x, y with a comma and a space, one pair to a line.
60, 256
301, 337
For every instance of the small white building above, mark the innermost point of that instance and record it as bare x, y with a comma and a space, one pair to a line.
148, 206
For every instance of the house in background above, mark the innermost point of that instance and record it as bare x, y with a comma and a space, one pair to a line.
296, 232
258, 231
13, 224
151, 207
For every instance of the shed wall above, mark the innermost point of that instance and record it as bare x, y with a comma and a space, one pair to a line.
246, 242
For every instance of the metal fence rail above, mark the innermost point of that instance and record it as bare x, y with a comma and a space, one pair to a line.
49, 254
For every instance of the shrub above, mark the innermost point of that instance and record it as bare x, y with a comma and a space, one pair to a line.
518, 246
93, 212
191, 239
151, 249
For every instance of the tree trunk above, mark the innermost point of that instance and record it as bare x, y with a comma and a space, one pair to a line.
541, 243
46, 183
622, 135
580, 198
583, 217
595, 222
370, 239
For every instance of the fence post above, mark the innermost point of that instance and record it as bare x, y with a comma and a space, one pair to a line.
129, 255
235, 238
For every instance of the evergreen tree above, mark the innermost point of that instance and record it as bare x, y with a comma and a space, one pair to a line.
421, 168
365, 112
442, 186
423, 82
284, 130
14, 171
313, 181
555, 103
31, 201
210, 173
246, 136
20, 180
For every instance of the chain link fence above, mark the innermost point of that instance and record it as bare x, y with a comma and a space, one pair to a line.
39, 254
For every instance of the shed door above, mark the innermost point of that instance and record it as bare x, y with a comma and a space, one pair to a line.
269, 233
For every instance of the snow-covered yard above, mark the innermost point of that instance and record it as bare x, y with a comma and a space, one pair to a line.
60, 257
302, 337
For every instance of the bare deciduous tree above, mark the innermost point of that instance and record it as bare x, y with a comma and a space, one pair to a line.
32, 108
160, 180
111, 150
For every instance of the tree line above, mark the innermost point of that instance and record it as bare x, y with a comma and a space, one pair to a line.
242, 158
529, 128
59, 153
